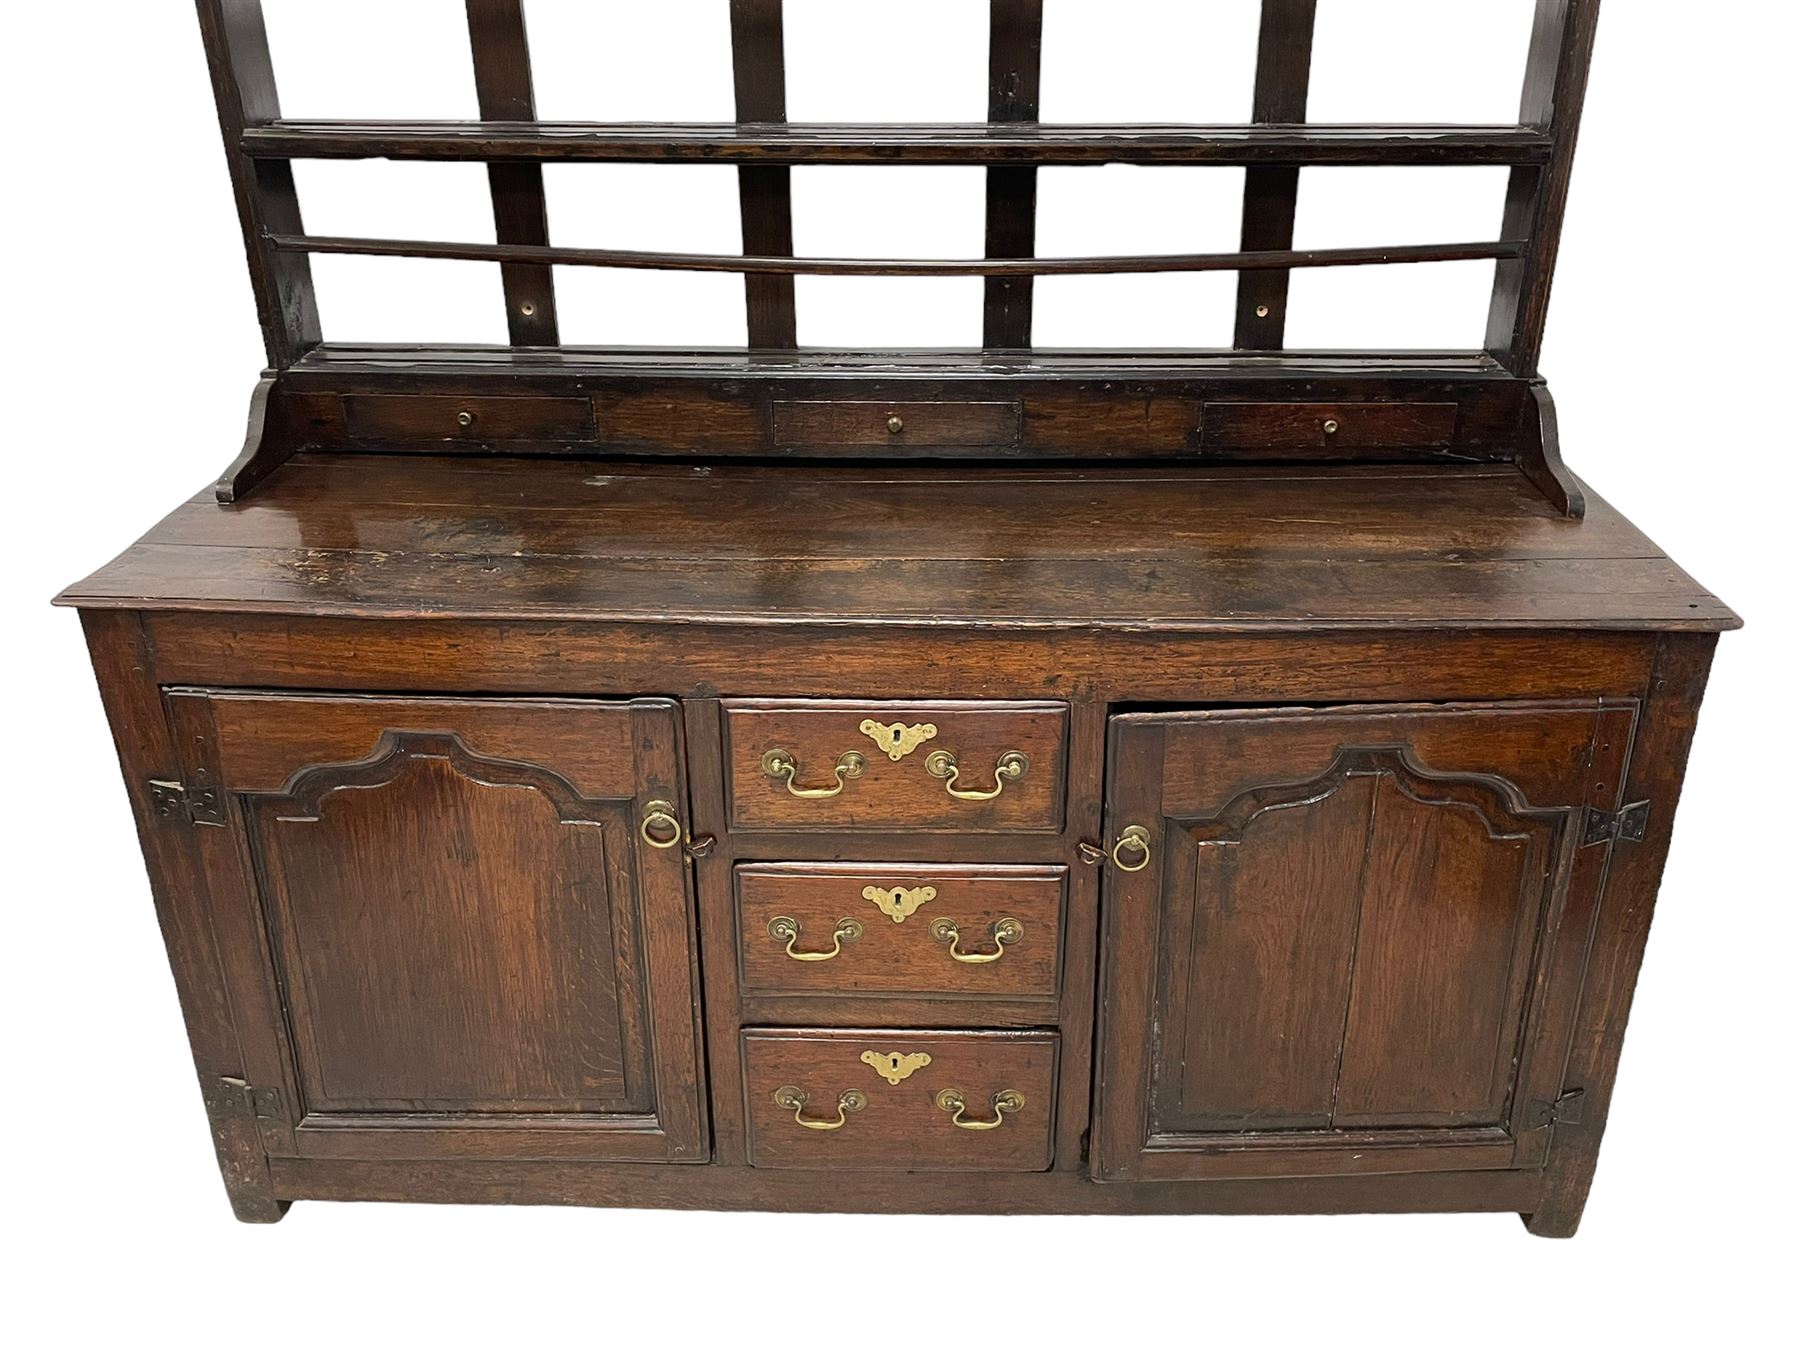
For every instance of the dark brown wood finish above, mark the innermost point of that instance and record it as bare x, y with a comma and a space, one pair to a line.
1562, 47
900, 1121
1283, 79
474, 950
1015, 60
503, 89
1012, 141
759, 66
1339, 948
543, 783
237, 52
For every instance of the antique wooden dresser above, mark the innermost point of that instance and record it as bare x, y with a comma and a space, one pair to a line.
997, 780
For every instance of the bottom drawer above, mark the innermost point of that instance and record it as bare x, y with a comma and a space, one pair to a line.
974, 1101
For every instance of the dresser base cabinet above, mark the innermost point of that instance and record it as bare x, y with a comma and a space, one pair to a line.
1350, 922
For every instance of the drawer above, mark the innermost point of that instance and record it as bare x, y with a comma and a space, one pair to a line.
1329, 426
970, 426
432, 417
973, 1101
957, 767
868, 929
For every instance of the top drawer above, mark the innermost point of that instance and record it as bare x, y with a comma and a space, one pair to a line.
1329, 426
932, 425
957, 767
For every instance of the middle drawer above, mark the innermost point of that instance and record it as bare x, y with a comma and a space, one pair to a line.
894, 930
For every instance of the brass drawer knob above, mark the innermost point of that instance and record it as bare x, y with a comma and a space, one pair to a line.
942, 764
793, 1099
786, 930
895, 424
1005, 931
780, 764
1005, 1102
1331, 426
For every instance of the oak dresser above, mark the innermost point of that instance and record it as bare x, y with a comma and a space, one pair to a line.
1003, 780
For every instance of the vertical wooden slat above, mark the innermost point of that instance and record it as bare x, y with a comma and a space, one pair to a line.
503, 89
1015, 62
765, 195
237, 52
1283, 77
1556, 78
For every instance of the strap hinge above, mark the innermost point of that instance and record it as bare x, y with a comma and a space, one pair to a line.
1626, 825
173, 802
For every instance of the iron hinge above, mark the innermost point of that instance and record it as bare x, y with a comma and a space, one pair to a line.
266, 1107
172, 801
1565, 1110
1626, 825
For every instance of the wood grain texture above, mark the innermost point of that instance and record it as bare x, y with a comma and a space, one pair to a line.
897, 953
849, 1192
1347, 954
902, 1126
474, 958
897, 795
124, 663
1221, 550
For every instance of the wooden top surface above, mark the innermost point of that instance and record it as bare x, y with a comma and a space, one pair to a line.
398, 537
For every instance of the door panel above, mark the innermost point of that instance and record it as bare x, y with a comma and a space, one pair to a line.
471, 947
1336, 958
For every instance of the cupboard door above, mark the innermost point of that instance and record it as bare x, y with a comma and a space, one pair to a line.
1353, 938
472, 930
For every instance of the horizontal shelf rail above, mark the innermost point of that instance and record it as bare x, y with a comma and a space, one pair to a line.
894, 267
899, 143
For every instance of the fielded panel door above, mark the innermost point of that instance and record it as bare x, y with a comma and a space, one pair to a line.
453, 927
1347, 940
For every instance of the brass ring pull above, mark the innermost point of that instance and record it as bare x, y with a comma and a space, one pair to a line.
942, 764
780, 764
1005, 931
1134, 839
1005, 1102
793, 1099
660, 827
784, 929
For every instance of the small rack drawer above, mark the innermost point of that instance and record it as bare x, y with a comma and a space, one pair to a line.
1329, 426
433, 417
973, 1101
955, 767
945, 425
861, 929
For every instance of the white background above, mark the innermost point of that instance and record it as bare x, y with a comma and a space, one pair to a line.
130, 351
